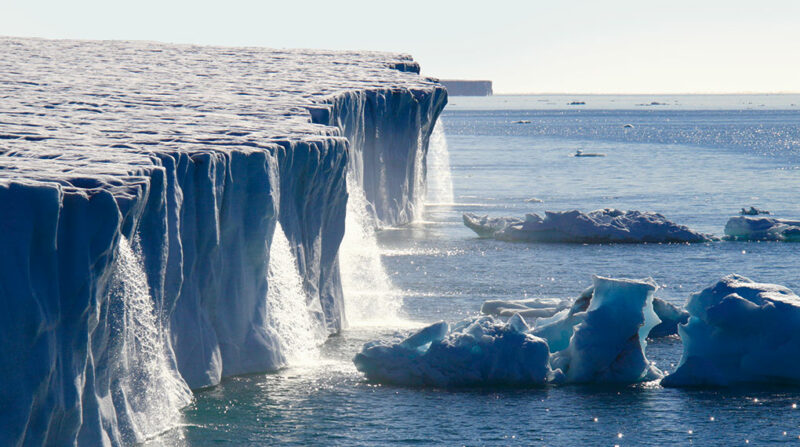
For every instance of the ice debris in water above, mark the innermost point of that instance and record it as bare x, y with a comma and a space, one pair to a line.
753, 211
600, 339
528, 308
739, 331
608, 344
557, 314
474, 352
599, 226
746, 228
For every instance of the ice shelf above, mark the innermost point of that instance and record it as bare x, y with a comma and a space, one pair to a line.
176, 162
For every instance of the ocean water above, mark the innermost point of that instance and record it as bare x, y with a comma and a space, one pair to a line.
695, 159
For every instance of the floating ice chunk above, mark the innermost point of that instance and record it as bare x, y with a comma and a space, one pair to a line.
670, 315
534, 200
599, 226
479, 351
746, 228
753, 211
608, 345
530, 308
739, 331
558, 329
487, 226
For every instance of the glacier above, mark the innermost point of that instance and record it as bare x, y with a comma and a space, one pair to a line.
739, 331
750, 228
600, 226
144, 188
600, 339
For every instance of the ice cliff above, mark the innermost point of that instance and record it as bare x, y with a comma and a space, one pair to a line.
141, 186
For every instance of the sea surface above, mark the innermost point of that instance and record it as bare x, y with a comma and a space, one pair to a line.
696, 159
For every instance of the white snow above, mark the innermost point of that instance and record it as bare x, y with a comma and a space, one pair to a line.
197, 153
748, 228
600, 226
739, 331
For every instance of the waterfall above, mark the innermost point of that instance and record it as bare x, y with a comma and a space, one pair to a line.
369, 296
147, 391
439, 181
297, 326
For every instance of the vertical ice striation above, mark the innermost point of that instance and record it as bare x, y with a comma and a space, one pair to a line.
243, 147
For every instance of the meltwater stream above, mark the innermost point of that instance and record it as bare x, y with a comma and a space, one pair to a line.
149, 392
295, 323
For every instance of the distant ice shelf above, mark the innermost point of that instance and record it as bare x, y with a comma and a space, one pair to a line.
600, 226
171, 166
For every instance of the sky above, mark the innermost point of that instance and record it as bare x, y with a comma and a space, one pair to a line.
569, 46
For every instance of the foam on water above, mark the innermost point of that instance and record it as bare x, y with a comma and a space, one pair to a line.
439, 179
149, 388
289, 314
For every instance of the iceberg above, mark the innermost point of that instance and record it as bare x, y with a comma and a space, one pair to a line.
747, 228
608, 344
553, 316
131, 202
600, 339
600, 226
475, 352
739, 331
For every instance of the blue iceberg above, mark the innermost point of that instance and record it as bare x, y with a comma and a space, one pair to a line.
475, 352
600, 339
739, 331
608, 343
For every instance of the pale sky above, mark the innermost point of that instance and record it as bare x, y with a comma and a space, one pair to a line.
615, 46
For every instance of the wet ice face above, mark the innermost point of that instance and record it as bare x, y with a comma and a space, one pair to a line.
739, 331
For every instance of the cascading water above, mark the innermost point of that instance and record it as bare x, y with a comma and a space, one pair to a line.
147, 391
439, 180
370, 298
289, 315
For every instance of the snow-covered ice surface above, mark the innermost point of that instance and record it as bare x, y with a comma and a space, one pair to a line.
749, 228
475, 352
599, 226
196, 153
739, 331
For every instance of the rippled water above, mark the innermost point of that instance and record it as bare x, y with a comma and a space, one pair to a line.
696, 167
